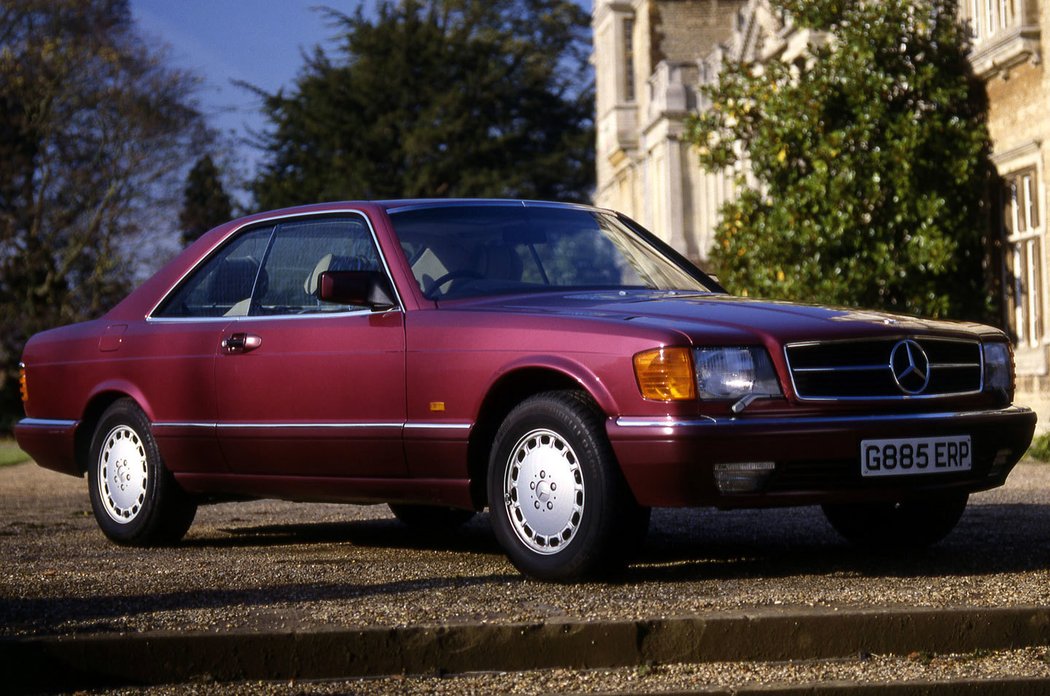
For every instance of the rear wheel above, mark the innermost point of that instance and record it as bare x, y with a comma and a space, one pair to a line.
135, 499
559, 504
431, 516
912, 524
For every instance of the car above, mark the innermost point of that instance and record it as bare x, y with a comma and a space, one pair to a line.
555, 363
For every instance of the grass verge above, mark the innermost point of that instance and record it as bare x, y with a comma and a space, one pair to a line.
10, 454
1040, 449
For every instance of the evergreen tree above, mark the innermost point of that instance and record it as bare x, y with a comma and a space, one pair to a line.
871, 161
440, 98
205, 202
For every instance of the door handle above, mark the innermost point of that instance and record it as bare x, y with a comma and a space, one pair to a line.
240, 343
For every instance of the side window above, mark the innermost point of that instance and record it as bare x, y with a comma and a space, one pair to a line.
223, 285
300, 252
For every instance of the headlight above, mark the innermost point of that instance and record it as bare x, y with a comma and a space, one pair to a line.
734, 373
998, 368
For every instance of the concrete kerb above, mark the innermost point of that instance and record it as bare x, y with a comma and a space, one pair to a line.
80, 661
965, 687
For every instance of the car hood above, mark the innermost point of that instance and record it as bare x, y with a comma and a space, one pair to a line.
700, 315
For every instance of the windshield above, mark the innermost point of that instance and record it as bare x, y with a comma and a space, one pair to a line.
469, 251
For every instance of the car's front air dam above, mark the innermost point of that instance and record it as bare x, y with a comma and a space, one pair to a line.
670, 462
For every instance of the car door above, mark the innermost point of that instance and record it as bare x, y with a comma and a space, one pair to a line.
304, 387
171, 355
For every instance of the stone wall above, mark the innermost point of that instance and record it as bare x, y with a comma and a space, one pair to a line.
687, 30
1019, 126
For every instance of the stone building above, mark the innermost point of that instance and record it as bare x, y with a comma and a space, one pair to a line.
648, 57
651, 56
1009, 40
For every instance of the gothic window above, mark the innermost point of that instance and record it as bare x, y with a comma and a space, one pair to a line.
1005, 34
1023, 255
991, 17
628, 60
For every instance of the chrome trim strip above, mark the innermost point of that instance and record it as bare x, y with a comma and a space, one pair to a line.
873, 368
843, 368
888, 337
641, 422
707, 421
902, 397
462, 203
268, 317
438, 426
301, 426
54, 423
183, 320
181, 424
276, 219
47, 423
346, 426
393, 209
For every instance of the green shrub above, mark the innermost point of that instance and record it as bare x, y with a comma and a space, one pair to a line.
868, 162
1040, 449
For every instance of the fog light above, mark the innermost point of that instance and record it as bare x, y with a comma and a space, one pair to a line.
999, 463
742, 477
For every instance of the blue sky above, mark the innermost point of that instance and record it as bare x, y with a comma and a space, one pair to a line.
257, 41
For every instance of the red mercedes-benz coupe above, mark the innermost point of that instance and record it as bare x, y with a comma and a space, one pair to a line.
555, 363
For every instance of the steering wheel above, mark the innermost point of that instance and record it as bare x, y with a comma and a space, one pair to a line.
450, 276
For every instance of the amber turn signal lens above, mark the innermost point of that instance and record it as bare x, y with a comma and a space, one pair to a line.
666, 374
23, 388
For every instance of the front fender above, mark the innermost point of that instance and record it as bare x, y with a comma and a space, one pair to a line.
574, 370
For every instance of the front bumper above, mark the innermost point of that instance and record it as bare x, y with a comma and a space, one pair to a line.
670, 463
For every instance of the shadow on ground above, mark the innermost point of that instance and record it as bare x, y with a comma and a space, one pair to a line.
707, 544
685, 549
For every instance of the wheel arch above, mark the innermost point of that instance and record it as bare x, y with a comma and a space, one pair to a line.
96, 406
513, 387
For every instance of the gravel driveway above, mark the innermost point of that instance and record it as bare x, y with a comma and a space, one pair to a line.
278, 565
274, 565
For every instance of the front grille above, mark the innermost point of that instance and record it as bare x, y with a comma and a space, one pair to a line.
871, 369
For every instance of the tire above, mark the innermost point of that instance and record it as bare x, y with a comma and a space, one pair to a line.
910, 525
558, 502
135, 499
431, 517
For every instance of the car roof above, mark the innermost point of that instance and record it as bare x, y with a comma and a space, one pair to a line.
406, 203
399, 205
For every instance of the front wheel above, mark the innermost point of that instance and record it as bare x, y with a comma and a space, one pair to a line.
913, 524
135, 499
558, 502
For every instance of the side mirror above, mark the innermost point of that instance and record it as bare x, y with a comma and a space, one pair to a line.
362, 288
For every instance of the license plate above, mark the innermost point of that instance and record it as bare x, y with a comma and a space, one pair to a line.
916, 455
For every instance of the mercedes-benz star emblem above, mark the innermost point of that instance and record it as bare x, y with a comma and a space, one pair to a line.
910, 366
